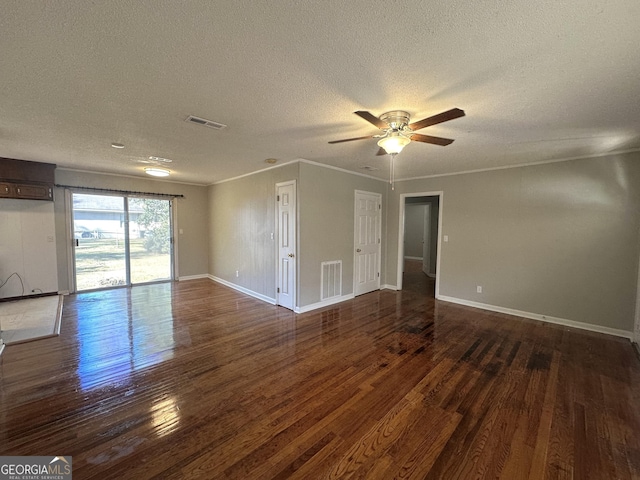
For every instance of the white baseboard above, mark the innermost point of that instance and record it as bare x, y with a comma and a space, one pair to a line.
537, 316
64, 292
324, 303
388, 287
246, 291
193, 277
413, 258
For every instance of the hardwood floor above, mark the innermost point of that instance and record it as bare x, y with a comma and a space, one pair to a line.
194, 380
414, 280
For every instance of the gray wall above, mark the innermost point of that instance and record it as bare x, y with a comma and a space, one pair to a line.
327, 213
559, 239
192, 217
243, 218
414, 230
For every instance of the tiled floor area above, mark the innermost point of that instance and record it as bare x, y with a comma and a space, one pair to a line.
30, 319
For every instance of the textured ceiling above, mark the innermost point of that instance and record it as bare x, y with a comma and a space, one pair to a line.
539, 81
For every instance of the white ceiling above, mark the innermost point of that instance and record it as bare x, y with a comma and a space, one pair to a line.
539, 81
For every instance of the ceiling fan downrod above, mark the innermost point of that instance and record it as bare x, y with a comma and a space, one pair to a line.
391, 174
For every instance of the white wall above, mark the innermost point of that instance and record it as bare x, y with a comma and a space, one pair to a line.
27, 247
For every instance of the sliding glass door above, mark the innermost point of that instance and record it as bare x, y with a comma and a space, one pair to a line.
98, 232
120, 240
149, 239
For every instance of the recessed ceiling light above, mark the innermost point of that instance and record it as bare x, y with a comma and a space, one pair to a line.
117, 145
271, 161
160, 159
157, 172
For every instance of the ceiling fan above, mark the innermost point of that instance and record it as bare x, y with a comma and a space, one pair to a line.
398, 132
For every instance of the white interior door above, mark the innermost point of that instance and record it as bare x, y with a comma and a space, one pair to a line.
426, 241
286, 209
367, 242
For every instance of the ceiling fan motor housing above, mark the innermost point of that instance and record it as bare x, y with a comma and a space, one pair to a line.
396, 119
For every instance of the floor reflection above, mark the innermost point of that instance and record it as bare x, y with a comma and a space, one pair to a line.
330, 325
122, 331
165, 415
416, 281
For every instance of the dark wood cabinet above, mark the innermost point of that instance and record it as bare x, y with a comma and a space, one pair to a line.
33, 191
6, 189
26, 180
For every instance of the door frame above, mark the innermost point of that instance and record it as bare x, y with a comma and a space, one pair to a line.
294, 283
355, 231
71, 261
403, 197
71, 257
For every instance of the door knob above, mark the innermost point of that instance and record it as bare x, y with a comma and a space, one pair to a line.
358, 250
291, 255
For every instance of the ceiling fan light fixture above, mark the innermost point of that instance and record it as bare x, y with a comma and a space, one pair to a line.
394, 143
157, 172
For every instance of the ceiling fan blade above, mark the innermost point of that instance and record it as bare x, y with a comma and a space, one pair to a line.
381, 151
439, 118
351, 139
417, 137
369, 117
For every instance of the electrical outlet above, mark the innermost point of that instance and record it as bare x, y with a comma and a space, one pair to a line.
479, 289
445, 238
237, 273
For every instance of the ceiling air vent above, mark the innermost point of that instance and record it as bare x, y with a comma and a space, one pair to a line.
206, 123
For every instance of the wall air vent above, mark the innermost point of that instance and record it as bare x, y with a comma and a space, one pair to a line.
331, 279
205, 123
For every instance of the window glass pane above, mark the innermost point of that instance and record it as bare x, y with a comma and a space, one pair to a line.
100, 244
150, 239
